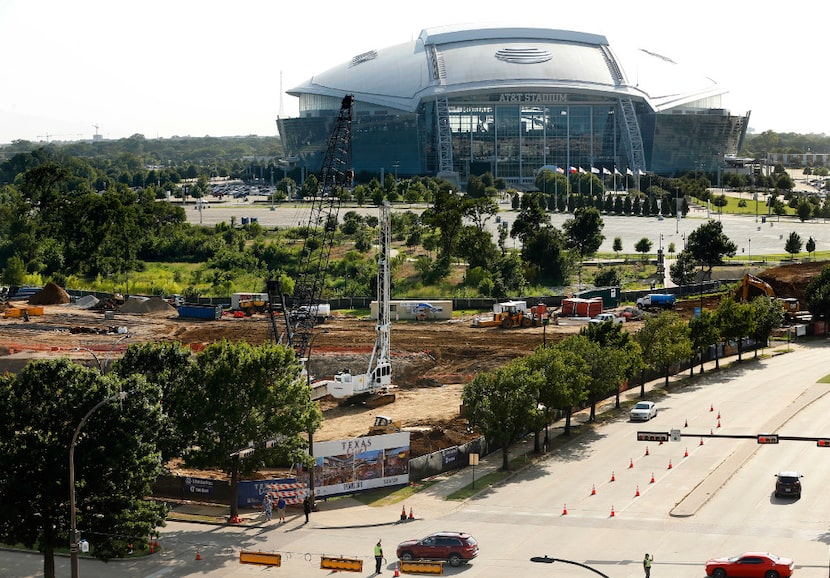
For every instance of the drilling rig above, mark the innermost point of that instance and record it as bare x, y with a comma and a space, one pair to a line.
335, 174
373, 387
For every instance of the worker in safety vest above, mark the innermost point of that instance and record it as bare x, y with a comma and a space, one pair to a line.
378, 557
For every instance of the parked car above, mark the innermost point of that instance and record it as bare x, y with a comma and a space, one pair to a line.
455, 547
788, 484
751, 565
643, 411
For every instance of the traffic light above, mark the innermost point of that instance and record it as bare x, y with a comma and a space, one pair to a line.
823, 443
652, 436
767, 439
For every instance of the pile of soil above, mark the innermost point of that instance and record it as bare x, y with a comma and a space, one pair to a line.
792, 280
147, 305
51, 294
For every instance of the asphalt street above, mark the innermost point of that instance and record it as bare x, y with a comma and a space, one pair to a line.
602, 500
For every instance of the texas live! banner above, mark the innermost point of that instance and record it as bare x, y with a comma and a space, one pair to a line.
361, 463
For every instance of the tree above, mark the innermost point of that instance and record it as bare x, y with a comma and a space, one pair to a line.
531, 218
565, 379
445, 217
736, 321
804, 210
501, 404
682, 271
793, 244
643, 246
241, 394
115, 458
817, 294
618, 246
703, 332
584, 234
708, 245
14, 274
664, 340
768, 315
810, 247
621, 349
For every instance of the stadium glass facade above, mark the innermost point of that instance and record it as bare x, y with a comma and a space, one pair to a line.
512, 132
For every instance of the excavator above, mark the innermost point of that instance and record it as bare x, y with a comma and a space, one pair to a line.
752, 286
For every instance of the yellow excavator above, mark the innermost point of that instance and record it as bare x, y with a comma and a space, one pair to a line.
752, 286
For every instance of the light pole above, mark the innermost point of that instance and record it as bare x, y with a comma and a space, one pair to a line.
750, 251
73, 532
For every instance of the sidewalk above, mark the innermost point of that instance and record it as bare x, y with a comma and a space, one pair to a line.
432, 502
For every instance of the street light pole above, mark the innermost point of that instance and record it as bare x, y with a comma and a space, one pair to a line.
73, 532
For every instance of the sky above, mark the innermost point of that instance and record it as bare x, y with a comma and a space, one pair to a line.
207, 67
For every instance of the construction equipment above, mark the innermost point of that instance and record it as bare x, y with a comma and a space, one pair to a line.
373, 387
249, 303
752, 286
335, 174
510, 314
384, 425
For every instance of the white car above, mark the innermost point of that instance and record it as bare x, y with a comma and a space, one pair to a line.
643, 411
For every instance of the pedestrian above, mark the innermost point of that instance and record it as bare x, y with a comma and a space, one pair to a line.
647, 564
306, 508
378, 557
281, 509
266, 504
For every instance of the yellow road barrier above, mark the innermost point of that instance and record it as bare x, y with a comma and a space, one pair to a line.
261, 558
341, 564
422, 567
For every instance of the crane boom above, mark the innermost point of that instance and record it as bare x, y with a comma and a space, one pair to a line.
335, 174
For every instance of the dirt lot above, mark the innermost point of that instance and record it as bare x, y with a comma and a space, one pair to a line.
431, 360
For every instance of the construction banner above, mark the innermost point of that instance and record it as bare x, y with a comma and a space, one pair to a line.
422, 567
341, 564
261, 558
357, 464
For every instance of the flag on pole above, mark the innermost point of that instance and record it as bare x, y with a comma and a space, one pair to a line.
628, 172
640, 172
582, 171
560, 170
595, 170
616, 172
605, 171
572, 169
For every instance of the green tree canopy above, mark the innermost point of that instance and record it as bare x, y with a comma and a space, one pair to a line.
115, 458
664, 341
708, 245
818, 294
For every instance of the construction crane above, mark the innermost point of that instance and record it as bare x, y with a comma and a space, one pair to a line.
335, 174
373, 387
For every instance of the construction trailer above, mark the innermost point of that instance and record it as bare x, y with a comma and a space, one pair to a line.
576, 310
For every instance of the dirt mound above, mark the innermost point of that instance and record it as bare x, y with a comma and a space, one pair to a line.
792, 280
147, 305
51, 294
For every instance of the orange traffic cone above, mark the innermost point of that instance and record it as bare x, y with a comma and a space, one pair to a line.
686, 453
403, 512
612, 512
701, 442
711, 407
411, 516
637, 493
718, 422
565, 510
646, 450
631, 463
669, 465
397, 569
612, 476
661, 443
718, 414
198, 554
687, 424
652, 478
593, 490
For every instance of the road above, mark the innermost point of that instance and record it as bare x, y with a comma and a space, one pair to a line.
715, 501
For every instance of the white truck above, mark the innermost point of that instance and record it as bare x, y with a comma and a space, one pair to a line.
603, 317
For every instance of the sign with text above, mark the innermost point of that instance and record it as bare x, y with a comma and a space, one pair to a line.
653, 436
357, 464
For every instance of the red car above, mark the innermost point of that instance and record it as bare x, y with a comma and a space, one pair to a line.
455, 547
751, 565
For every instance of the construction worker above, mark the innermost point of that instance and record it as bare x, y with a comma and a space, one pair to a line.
647, 564
378, 557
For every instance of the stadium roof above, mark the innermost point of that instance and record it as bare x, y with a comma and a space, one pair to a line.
456, 61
